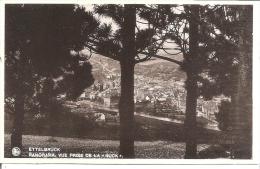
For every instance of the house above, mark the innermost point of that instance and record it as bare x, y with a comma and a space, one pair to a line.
92, 96
82, 96
107, 101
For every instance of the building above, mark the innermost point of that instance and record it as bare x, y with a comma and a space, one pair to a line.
107, 101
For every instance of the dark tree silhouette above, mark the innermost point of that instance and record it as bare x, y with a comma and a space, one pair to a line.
129, 48
240, 116
148, 43
39, 41
192, 70
204, 35
183, 29
231, 68
126, 103
207, 37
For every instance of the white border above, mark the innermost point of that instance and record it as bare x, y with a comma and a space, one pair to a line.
256, 91
66, 166
256, 82
128, 2
44, 166
2, 80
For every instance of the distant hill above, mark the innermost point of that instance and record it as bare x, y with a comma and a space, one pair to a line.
156, 68
160, 69
103, 67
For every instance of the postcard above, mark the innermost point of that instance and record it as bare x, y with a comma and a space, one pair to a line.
137, 82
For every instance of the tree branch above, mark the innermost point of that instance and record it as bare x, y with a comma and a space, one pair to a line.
171, 53
143, 22
114, 57
160, 57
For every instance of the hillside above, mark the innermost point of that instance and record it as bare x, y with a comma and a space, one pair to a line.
155, 69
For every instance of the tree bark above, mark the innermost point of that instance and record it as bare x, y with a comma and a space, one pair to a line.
126, 111
17, 130
192, 60
241, 124
16, 136
190, 122
126, 103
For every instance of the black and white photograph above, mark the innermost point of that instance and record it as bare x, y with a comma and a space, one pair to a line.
128, 81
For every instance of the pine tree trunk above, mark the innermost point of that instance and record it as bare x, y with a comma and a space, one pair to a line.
241, 124
126, 103
17, 130
126, 111
190, 122
52, 117
16, 136
192, 60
